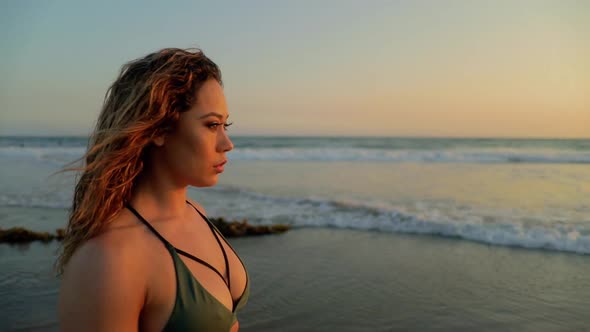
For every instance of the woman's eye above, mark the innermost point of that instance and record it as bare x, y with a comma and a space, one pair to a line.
214, 125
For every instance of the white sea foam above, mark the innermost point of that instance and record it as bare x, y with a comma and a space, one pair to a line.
406, 155
53, 200
62, 155
28, 164
314, 212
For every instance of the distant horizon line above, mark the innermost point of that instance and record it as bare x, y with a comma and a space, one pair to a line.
340, 136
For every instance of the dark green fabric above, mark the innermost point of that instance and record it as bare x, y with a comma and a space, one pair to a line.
195, 308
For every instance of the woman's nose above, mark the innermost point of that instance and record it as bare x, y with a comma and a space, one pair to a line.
225, 143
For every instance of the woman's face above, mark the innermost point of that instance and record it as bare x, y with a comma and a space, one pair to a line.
194, 152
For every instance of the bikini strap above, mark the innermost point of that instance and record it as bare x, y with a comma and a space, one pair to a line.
145, 222
169, 245
213, 230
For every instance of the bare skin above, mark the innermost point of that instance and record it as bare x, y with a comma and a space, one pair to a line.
124, 278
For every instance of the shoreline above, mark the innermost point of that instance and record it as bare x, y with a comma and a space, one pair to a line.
230, 229
318, 279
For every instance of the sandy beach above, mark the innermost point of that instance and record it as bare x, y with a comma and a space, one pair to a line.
345, 280
327, 279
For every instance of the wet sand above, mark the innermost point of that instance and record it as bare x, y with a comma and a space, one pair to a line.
322, 279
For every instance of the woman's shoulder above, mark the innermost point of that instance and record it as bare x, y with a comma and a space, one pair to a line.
122, 239
197, 206
104, 279
118, 247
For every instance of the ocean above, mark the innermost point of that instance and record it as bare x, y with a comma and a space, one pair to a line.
512, 203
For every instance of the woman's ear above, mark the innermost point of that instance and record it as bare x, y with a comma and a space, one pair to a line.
159, 140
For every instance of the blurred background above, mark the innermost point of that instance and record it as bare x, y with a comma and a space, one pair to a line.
431, 156
322, 68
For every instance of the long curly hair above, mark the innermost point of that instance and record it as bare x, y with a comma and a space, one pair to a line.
144, 102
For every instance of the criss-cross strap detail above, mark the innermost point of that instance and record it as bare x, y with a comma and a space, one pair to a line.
182, 252
213, 230
218, 234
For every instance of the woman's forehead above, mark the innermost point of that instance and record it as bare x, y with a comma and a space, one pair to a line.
210, 100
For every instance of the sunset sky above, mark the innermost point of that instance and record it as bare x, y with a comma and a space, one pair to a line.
338, 68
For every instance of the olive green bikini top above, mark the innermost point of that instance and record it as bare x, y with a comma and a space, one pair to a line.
195, 309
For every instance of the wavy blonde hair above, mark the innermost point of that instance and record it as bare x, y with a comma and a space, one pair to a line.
144, 102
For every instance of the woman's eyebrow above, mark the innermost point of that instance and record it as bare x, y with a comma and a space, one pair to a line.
213, 114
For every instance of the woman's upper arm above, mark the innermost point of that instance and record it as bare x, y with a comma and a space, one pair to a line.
102, 289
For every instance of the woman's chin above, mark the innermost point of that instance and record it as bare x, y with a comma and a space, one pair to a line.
202, 183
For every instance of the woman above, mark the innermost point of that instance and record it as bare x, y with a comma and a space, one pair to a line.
138, 254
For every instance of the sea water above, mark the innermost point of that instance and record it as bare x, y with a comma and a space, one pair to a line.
523, 193
532, 193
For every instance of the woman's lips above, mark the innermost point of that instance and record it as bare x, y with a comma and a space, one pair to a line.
219, 167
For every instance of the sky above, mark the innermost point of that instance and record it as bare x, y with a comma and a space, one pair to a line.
314, 68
